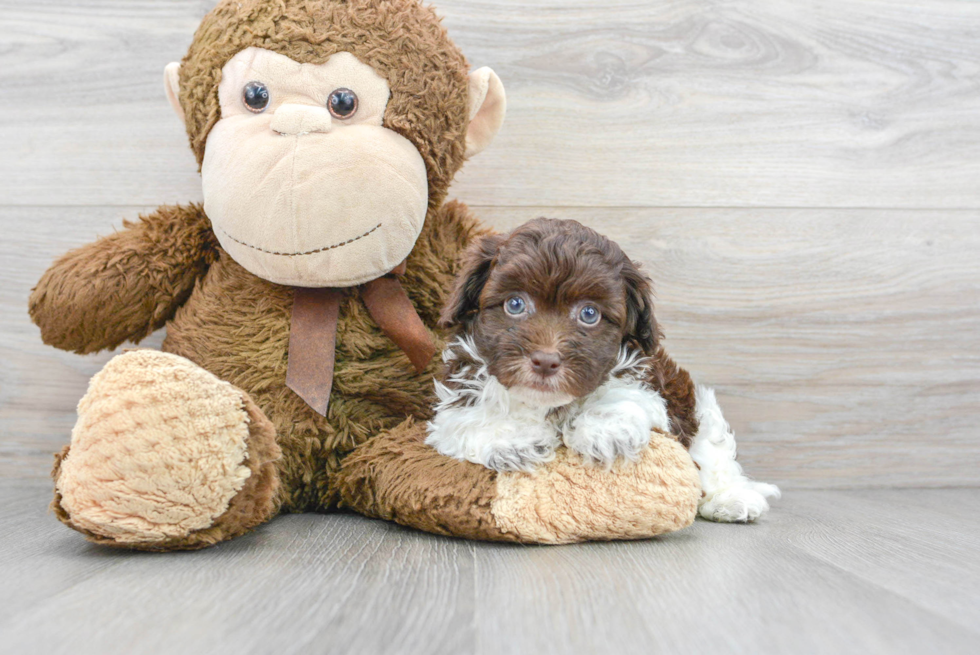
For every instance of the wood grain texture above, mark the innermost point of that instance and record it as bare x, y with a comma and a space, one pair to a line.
305, 584
795, 583
873, 536
622, 103
844, 345
829, 572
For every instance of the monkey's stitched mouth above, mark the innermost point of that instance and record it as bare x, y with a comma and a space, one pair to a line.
308, 252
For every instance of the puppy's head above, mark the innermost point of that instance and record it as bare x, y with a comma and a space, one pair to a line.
549, 306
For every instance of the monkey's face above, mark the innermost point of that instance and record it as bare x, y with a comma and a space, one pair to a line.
303, 184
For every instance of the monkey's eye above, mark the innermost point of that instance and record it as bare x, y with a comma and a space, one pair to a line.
515, 306
589, 315
255, 95
342, 103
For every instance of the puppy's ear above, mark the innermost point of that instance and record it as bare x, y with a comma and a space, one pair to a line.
474, 270
641, 327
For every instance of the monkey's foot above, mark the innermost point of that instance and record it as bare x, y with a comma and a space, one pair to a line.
165, 456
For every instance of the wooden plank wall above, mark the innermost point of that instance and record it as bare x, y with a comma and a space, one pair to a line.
801, 179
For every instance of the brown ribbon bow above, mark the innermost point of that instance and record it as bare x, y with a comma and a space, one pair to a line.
313, 333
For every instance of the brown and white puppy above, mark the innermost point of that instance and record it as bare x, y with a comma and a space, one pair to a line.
556, 336
557, 342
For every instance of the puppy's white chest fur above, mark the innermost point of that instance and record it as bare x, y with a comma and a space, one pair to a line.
479, 420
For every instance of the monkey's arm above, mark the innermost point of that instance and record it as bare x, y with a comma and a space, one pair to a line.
125, 285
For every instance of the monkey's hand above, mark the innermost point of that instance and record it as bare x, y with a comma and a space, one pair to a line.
126, 285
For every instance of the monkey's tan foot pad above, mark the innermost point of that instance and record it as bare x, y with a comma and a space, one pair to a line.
165, 456
395, 476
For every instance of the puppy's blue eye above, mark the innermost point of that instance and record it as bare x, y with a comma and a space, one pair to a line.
515, 306
589, 315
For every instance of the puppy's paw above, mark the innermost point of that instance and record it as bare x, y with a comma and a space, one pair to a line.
502, 444
738, 504
504, 456
619, 430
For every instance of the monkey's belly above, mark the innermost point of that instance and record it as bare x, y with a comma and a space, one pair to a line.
236, 326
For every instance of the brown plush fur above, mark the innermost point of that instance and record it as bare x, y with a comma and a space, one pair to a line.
126, 285
236, 325
400, 479
402, 40
375, 386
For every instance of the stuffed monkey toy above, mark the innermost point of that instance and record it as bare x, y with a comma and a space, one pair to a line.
301, 301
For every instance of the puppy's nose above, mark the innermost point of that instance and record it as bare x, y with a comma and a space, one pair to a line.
545, 362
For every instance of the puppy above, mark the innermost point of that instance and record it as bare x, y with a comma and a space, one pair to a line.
557, 342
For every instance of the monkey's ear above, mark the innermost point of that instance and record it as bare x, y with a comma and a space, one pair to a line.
488, 104
641, 326
474, 270
171, 84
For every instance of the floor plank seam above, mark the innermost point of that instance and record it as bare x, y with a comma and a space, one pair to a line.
872, 585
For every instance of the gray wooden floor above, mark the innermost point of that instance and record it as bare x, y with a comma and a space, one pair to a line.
837, 571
